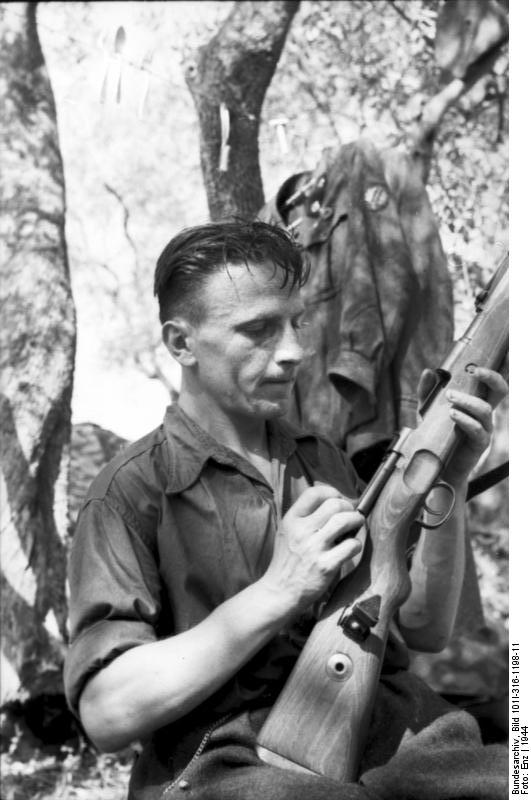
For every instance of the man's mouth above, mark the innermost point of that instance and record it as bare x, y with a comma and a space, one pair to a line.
279, 381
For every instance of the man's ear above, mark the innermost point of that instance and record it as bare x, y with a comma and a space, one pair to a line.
178, 338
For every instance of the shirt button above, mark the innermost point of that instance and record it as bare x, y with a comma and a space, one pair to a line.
183, 785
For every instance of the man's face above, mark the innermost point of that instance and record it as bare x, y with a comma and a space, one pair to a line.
247, 346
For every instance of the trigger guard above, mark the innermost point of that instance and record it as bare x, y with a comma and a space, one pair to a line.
445, 515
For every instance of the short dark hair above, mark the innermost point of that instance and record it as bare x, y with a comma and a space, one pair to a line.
195, 253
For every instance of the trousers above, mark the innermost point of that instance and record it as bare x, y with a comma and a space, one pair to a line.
419, 747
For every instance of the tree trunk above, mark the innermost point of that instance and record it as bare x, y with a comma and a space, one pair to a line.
37, 362
228, 82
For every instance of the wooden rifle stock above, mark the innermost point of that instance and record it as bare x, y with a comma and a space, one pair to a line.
320, 719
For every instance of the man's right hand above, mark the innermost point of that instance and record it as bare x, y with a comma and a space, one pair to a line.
315, 538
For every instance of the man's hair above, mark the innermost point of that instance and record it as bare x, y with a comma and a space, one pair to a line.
195, 253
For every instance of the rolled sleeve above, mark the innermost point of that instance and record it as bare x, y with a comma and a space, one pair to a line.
114, 593
96, 647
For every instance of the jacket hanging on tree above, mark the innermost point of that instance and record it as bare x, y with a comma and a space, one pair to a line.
379, 293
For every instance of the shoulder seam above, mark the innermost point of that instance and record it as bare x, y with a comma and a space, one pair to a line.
128, 517
127, 460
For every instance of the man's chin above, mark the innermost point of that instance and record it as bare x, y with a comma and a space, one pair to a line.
270, 409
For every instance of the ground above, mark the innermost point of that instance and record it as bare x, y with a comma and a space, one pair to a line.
65, 776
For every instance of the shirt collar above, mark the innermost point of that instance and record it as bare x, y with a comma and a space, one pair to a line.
190, 447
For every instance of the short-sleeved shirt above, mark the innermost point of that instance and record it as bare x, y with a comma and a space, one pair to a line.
172, 527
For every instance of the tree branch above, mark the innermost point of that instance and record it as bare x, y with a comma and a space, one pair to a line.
322, 104
401, 13
435, 109
126, 217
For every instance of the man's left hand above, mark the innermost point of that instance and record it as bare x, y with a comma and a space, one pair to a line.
473, 416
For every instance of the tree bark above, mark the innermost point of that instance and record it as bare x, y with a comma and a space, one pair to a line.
230, 77
37, 363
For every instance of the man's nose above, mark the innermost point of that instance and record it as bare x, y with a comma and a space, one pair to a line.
288, 349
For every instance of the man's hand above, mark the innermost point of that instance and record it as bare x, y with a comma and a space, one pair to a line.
315, 538
474, 418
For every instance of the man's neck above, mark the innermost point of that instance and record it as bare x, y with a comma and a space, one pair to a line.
245, 435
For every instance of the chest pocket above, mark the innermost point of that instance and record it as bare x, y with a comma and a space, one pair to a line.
250, 540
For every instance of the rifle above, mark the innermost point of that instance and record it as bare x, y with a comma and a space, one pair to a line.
321, 717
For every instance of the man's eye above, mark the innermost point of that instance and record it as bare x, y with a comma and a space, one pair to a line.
301, 324
258, 329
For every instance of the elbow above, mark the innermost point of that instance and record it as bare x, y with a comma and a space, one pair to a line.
426, 639
427, 644
439, 643
103, 723
424, 632
107, 741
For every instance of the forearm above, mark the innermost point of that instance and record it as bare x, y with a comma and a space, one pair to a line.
427, 617
154, 684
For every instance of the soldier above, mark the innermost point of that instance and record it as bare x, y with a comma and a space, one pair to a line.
203, 550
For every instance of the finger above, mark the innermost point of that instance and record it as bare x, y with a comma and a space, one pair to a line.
427, 381
328, 509
351, 497
312, 498
495, 383
475, 407
472, 428
346, 522
342, 552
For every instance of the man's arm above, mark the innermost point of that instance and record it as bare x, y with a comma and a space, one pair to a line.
438, 566
153, 684
427, 617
